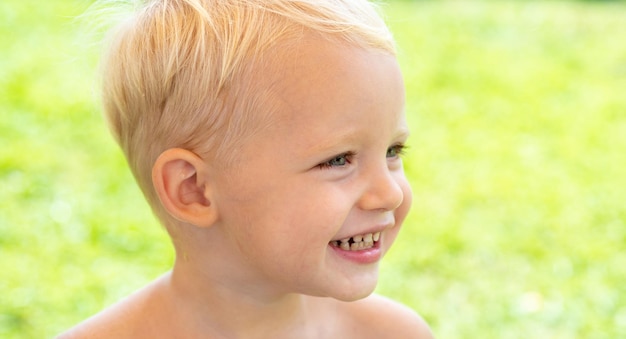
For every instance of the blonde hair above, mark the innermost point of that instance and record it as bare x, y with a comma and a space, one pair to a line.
175, 74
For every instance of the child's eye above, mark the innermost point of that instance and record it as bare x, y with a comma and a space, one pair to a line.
338, 161
396, 150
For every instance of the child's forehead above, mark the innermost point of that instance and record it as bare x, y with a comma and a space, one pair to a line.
321, 75
291, 71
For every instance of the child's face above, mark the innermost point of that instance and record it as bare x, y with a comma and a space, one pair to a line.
326, 169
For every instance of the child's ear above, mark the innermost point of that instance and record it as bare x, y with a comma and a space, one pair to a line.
180, 179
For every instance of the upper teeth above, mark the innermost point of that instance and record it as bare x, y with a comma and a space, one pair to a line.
357, 242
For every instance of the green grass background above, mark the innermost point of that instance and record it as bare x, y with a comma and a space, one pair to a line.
518, 229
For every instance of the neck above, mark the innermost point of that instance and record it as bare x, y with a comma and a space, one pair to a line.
230, 308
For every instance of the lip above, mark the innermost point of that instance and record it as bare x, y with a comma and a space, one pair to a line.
365, 256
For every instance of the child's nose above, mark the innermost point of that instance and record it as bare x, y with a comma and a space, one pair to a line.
383, 191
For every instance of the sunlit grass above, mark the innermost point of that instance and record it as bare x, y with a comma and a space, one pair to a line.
518, 123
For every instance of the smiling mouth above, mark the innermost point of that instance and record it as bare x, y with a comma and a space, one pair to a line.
357, 242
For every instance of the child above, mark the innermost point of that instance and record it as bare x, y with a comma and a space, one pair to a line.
266, 135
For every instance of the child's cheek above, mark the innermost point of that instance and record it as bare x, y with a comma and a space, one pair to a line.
402, 210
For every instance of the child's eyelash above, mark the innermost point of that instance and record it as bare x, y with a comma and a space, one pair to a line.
396, 150
344, 159
338, 161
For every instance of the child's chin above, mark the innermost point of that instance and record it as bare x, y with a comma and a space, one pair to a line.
351, 286
356, 293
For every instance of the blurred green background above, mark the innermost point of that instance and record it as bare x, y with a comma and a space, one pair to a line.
518, 229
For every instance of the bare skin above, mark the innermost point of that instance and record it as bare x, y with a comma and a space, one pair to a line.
154, 312
257, 253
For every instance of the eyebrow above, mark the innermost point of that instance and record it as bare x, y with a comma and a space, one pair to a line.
404, 133
333, 143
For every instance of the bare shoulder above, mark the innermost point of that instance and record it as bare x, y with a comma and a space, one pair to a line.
125, 319
114, 321
386, 318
